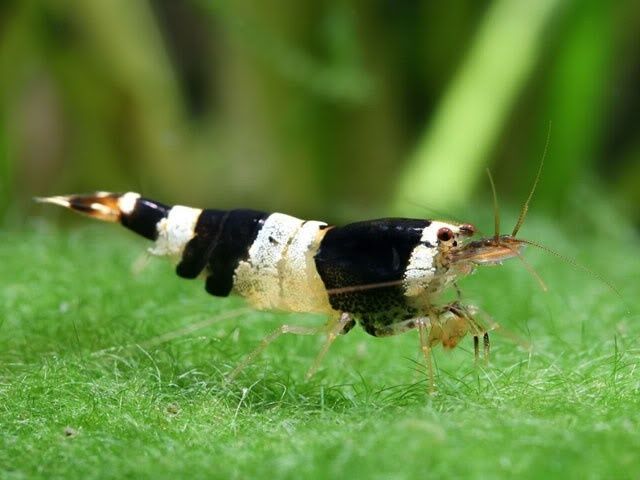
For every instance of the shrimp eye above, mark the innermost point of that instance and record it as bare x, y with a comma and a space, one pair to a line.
467, 229
445, 234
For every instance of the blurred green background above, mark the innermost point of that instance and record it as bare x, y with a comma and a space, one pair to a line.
333, 109
336, 110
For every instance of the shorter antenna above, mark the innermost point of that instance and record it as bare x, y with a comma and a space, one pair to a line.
525, 206
496, 211
532, 271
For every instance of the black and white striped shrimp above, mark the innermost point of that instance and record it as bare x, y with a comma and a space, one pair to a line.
385, 275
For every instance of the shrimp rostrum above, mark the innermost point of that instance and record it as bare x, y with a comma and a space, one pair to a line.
385, 275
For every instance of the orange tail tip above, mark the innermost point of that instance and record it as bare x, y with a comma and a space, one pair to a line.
104, 206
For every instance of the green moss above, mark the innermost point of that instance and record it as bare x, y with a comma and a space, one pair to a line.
91, 385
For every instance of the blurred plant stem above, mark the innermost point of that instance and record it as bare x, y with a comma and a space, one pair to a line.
578, 90
132, 48
451, 154
5, 172
299, 79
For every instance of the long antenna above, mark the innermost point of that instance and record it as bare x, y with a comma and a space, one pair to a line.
525, 206
577, 265
496, 211
364, 287
439, 214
